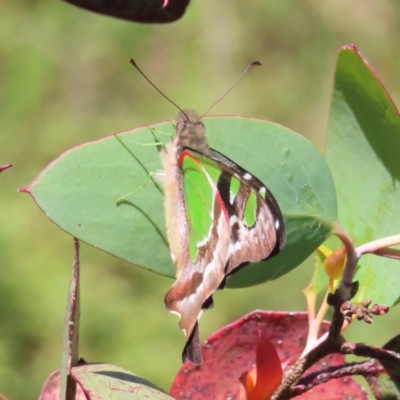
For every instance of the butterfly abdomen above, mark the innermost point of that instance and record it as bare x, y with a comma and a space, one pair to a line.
175, 213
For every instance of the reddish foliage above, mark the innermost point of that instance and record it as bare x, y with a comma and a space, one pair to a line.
4, 167
147, 11
231, 351
51, 388
262, 381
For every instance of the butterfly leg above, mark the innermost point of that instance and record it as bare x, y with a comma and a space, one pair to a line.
152, 176
161, 145
155, 177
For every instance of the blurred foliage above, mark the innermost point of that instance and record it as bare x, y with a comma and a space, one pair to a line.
65, 79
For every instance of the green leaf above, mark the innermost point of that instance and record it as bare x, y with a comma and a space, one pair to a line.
106, 381
79, 190
363, 154
319, 280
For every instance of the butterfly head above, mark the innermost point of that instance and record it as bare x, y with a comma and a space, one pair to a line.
191, 132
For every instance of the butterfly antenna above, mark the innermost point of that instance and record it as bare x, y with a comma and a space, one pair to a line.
132, 61
250, 66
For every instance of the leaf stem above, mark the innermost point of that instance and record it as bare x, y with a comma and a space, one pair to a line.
389, 253
71, 331
352, 258
378, 246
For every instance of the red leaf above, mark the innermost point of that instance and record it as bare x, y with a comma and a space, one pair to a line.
4, 167
147, 11
51, 388
231, 351
269, 369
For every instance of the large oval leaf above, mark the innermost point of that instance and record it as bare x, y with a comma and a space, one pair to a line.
363, 153
78, 191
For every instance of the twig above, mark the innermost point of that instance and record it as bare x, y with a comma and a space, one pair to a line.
346, 286
332, 344
71, 331
366, 368
343, 312
363, 350
376, 246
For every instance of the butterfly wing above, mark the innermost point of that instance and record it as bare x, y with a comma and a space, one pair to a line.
257, 227
202, 269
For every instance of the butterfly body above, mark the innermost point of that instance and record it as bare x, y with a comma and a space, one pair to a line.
219, 218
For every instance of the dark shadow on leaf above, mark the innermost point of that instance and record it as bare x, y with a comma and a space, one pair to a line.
158, 230
129, 378
140, 163
123, 201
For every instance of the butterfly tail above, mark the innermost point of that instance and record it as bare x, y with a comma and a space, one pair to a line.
192, 350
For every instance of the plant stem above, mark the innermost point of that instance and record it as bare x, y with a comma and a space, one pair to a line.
378, 246
389, 253
365, 368
349, 271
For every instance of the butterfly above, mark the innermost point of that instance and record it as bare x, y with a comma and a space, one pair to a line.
219, 218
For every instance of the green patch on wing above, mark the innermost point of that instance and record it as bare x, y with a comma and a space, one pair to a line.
199, 198
250, 211
235, 186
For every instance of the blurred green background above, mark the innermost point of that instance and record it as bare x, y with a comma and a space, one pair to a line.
65, 79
